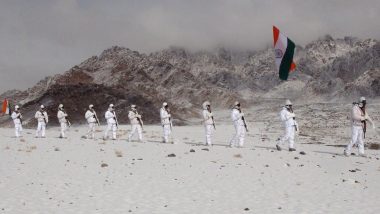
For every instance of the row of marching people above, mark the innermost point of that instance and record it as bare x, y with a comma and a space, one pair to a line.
135, 119
359, 119
43, 119
92, 119
112, 123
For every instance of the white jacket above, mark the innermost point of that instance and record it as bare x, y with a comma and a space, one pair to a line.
287, 118
133, 117
61, 115
90, 116
110, 117
236, 117
357, 116
16, 117
41, 117
207, 117
165, 117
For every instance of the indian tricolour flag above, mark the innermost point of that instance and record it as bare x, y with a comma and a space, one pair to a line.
6, 107
284, 52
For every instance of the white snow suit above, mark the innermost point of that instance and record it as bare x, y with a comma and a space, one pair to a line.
238, 138
136, 127
290, 127
42, 119
209, 125
111, 124
357, 131
61, 115
166, 124
90, 117
16, 116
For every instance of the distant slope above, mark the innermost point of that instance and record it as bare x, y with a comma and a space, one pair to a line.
328, 69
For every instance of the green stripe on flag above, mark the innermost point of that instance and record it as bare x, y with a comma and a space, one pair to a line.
9, 108
287, 60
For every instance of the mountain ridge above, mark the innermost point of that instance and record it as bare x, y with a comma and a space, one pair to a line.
328, 69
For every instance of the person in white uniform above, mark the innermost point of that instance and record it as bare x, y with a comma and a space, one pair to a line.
288, 118
17, 120
166, 122
62, 119
136, 123
42, 120
208, 120
112, 123
359, 119
92, 120
240, 126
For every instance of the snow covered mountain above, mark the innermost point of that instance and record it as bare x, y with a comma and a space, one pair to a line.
328, 69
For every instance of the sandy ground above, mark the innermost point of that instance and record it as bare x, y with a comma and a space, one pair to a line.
66, 175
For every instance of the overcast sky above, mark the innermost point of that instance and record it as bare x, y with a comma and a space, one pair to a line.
44, 37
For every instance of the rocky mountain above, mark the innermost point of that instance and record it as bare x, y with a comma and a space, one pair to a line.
328, 69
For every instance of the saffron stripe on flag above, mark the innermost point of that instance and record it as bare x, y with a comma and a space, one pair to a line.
5, 105
276, 33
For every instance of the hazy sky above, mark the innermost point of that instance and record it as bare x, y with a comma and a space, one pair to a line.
45, 37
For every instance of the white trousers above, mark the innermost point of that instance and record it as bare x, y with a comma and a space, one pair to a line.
63, 129
238, 138
136, 128
209, 130
91, 130
113, 127
41, 129
18, 129
289, 136
356, 138
167, 132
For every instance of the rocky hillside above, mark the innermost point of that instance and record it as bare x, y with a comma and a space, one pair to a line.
328, 69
